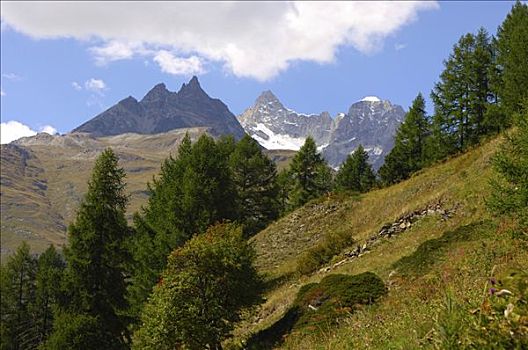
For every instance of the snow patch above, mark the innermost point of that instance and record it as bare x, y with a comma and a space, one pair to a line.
277, 141
374, 150
370, 99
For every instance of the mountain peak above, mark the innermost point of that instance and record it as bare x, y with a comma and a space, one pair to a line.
266, 96
191, 88
158, 91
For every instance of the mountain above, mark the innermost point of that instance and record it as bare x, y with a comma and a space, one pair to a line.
277, 127
162, 110
44, 177
370, 122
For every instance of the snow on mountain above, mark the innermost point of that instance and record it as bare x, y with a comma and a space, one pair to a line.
371, 122
370, 99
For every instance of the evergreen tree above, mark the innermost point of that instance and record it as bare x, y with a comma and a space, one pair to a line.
49, 276
285, 186
17, 298
512, 55
409, 152
356, 173
192, 192
255, 179
95, 254
463, 94
510, 187
310, 174
203, 290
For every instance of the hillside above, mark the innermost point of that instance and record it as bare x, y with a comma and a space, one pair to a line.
450, 247
44, 177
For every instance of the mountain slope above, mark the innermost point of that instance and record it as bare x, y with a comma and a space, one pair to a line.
161, 110
455, 246
44, 177
370, 122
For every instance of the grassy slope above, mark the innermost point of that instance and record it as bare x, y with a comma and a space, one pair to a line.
449, 255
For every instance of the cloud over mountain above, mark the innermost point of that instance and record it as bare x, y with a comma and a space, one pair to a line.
250, 39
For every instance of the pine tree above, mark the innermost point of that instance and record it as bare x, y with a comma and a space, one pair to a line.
193, 191
17, 298
409, 152
95, 277
510, 188
47, 294
356, 173
206, 285
255, 179
512, 55
462, 96
310, 174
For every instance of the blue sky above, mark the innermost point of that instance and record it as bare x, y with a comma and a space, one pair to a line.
62, 63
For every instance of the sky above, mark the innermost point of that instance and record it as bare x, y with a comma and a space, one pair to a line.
62, 63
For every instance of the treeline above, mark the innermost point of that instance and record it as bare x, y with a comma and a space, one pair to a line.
182, 273
483, 84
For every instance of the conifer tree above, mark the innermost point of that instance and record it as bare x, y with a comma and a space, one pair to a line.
462, 96
512, 55
193, 191
17, 298
96, 255
310, 174
510, 188
409, 152
47, 294
356, 173
255, 179
207, 283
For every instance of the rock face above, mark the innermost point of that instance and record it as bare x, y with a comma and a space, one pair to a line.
277, 127
370, 122
162, 110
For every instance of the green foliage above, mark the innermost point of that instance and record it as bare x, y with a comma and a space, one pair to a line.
310, 174
285, 186
50, 270
409, 152
319, 306
500, 321
356, 173
192, 192
78, 332
512, 55
332, 244
255, 179
430, 252
207, 283
510, 188
463, 95
94, 281
17, 299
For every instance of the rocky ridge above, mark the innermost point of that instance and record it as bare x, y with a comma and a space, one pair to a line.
370, 122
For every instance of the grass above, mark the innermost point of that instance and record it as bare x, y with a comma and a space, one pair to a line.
419, 266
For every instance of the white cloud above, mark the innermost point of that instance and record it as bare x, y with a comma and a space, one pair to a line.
95, 85
177, 65
251, 39
399, 46
2, 92
48, 129
114, 51
76, 86
13, 130
11, 76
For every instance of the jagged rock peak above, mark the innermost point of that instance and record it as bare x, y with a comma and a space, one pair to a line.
157, 92
266, 96
192, 87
